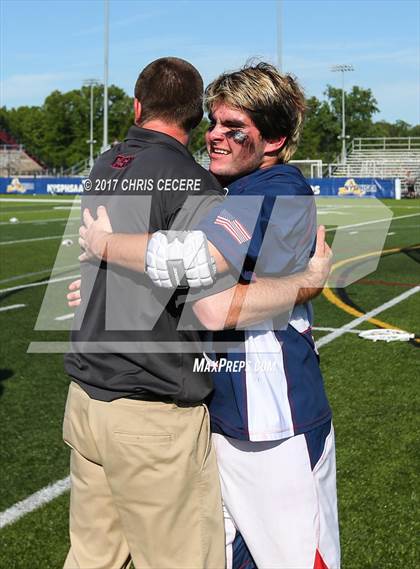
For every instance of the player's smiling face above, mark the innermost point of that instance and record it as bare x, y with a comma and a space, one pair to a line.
234, 143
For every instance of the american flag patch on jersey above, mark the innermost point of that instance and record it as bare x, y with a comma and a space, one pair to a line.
232, 226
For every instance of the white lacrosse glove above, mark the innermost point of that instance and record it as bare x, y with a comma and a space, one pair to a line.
180, 258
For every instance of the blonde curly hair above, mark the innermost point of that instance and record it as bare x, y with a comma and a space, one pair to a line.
275, 102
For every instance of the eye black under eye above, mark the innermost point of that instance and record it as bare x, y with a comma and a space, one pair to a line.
237, 135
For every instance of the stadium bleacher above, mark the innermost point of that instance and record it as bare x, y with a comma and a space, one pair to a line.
381, 158
15, 160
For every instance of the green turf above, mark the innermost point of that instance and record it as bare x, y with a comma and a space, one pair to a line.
375, 413
372, 388
20, 231
32, 397
38, 540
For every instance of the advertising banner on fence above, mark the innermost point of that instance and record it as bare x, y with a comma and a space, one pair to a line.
356, 187
340, 187
29, 186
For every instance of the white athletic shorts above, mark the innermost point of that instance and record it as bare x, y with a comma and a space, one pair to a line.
280, 499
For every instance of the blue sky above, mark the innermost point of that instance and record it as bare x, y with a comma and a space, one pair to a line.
55, 44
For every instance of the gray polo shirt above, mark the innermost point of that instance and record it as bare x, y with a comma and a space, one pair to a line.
148, 182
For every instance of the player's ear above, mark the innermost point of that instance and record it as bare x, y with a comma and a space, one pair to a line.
273, 146
137, 110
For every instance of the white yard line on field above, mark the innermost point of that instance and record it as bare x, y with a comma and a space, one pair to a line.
33, 200
34, 274
328, 212
41, 283
341, 205
65, 317
40, 221
372, 222
34, 501
26, 210
32, 239
329, 329
354, 323
11, 307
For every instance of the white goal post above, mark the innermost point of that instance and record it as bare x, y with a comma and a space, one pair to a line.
309, 168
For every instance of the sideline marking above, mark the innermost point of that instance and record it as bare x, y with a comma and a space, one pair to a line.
368, 316
65, 317
391, 219
32, 239
333, 298
336, 212
30, 285
42, 221
11, 307
328, 329
33, 274
34, 501
6, 212
43, 200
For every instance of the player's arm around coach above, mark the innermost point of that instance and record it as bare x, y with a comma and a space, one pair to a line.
239, 306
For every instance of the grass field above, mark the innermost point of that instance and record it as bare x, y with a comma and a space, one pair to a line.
373, 389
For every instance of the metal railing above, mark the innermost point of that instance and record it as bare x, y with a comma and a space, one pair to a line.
386, 143
378, 157
80, 167
8, 147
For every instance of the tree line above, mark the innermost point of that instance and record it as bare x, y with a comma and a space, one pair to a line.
57, 132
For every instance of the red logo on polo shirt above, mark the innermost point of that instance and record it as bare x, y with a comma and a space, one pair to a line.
122, 161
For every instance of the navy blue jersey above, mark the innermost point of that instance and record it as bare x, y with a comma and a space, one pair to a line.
271, 387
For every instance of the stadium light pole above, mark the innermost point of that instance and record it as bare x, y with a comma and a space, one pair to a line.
106, 53
343, 68
91, 83
279, 35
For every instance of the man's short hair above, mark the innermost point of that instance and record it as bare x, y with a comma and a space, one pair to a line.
170, 89
275, 102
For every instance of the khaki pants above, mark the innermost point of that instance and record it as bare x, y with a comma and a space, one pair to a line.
144, 486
